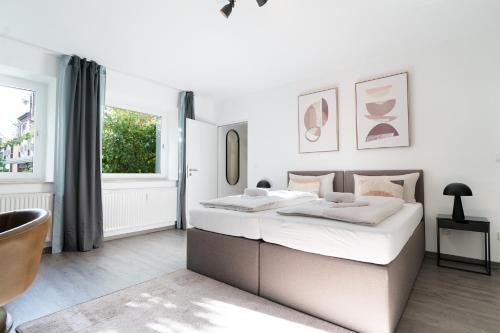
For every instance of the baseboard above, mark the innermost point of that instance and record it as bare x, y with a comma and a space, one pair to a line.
48, 248
137, 233
433, 255
131, 230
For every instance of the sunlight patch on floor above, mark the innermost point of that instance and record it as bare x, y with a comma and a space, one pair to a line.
183, 302
227, 317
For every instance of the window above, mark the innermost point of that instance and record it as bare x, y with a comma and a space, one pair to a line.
22, 148
131, 143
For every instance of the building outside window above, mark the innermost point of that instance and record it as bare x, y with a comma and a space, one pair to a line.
23, 127
17, 130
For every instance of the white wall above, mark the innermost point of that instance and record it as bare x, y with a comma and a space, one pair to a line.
204, 109
454, 116
224, 188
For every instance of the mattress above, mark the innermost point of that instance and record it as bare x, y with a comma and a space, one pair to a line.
250, 204
227, 222
236, 223
373, 244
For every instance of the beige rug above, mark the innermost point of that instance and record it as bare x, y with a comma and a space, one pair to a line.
182, 301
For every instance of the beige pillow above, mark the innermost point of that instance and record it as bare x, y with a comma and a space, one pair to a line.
304, 185
381, 188
326, 182
410, 182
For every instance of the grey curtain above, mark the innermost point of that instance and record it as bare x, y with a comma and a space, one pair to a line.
186, 111
60, 153
78, 222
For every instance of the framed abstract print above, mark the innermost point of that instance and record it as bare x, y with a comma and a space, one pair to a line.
382, 119
318, 121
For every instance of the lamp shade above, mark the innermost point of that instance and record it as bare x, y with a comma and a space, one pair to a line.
457, 189
263, 184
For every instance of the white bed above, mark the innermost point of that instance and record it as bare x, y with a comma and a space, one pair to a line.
238, 223
227, 222
373, 244
334, 270
251, 204
378, 244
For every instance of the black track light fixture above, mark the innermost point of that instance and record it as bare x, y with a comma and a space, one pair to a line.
227, 9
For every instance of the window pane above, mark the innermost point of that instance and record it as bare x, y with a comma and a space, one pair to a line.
130, 142
17, 130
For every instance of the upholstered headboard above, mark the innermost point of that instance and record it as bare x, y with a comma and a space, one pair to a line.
338, 180
349, 179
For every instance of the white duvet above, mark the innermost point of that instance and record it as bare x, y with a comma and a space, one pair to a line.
275, 199
377, 210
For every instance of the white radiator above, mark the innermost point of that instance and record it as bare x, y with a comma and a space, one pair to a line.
15, 201
131, 210
124, 210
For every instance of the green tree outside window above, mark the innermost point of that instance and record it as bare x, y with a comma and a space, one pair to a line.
129, 141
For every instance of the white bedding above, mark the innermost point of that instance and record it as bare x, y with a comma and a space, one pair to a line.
245, 203
368, 210
226, 222
378, 244
237, 223
374, 244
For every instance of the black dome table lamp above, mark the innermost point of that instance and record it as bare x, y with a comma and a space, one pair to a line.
263, 184
458, 190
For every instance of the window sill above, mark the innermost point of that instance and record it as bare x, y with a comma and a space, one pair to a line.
20, 181
25, 186
128, 183
134, 178
32, 185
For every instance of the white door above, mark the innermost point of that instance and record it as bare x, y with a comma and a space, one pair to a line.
201, 163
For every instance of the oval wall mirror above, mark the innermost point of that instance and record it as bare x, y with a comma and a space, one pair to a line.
232, 157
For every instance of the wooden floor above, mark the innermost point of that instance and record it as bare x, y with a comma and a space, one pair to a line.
68, 279
451, 301
443, 300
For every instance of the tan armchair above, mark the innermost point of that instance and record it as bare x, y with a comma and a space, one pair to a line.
22, 238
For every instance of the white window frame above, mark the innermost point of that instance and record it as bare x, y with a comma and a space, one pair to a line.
162, 175
39, 159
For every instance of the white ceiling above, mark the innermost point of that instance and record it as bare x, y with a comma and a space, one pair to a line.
188, 44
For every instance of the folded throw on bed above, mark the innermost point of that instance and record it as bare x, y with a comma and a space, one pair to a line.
256, 192
377, 210
358, 203
340, 197
274, 199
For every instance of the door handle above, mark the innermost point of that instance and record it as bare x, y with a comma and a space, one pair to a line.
190, 170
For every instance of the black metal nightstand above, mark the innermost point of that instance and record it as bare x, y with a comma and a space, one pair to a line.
474, 224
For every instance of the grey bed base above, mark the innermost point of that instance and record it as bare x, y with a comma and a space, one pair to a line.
360, 296
233, 260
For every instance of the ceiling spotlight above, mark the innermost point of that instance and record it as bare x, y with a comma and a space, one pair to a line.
227, 9
261, 2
